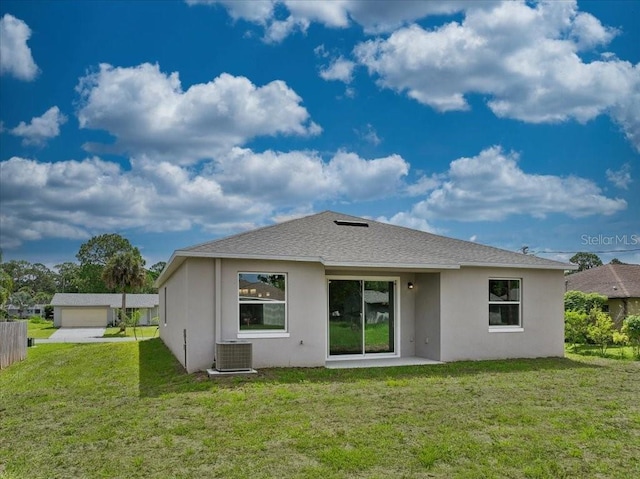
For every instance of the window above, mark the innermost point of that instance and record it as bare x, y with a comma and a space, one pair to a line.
504, 302
262, 301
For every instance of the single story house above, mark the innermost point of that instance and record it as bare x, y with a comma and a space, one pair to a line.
14, 311
78, 310
331, 287
618, 282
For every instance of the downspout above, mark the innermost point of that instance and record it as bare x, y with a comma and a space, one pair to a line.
217, 298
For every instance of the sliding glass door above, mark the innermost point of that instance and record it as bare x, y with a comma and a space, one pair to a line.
361, 317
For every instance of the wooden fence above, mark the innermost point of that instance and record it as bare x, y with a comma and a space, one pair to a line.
13, 342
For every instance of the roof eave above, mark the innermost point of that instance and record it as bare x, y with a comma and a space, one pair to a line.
178, 257
558, 266
394, 266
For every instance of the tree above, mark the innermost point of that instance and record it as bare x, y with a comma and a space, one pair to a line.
42, 297
22, 300
36, 276
631, 328
583, 302
6, 287
575, 327
152, 274
125, 272
616, 261
100, 249
585, 260
94, 256
156, 269
68, 277
600, 331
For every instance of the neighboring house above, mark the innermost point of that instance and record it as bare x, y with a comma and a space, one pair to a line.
99, 310
35, 310
333, 287
618, 282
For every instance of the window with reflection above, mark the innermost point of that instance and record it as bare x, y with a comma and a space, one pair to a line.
262, 301
504, 302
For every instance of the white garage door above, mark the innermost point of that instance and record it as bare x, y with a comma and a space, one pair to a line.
84, 317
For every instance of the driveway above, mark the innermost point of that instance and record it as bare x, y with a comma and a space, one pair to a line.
77, 334
81, 335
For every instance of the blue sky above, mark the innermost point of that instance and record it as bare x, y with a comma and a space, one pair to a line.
174, 123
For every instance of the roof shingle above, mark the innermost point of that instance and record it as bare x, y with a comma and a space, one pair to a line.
611, 280
113, 300
319, 238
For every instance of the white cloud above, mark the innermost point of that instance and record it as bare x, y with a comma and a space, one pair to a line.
423, 185
41, 128
369, 134
15, 55
408, 221
149, 113
523, 58
339, 69
588, 32
374, 17
620, 178
82, 198
298, 176
257, 11
238, 191
491, 187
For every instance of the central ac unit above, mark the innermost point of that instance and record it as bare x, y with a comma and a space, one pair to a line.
234, 356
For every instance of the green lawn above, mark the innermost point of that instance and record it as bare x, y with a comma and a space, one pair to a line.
614, 351
126, 410
140, 331
40, 328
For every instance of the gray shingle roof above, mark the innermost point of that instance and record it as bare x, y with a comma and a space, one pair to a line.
319, 238
611, 280
112, 300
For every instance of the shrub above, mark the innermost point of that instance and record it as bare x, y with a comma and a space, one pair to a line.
575, 327
37, 320
583, 302
631, 328
600, 331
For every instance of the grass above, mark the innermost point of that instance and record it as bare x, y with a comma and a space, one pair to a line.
345, 339
614, 351
127, 410
40, 328
141, 332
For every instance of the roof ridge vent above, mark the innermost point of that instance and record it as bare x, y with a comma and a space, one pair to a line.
362, 224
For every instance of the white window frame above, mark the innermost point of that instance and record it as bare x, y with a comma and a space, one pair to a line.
397, 319
263, 333
511, 328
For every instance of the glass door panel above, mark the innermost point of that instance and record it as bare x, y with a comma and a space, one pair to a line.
345, 317
361, 317
378, 317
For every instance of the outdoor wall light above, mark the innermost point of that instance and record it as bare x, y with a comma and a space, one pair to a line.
410, 285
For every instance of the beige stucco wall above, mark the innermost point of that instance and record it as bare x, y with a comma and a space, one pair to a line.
465, 330
190, 305
618, 310
427, 319
445, 316
306, 313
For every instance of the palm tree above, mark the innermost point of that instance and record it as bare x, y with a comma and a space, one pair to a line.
124, 272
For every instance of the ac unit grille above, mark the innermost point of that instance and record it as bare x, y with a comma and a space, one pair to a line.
234, 356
